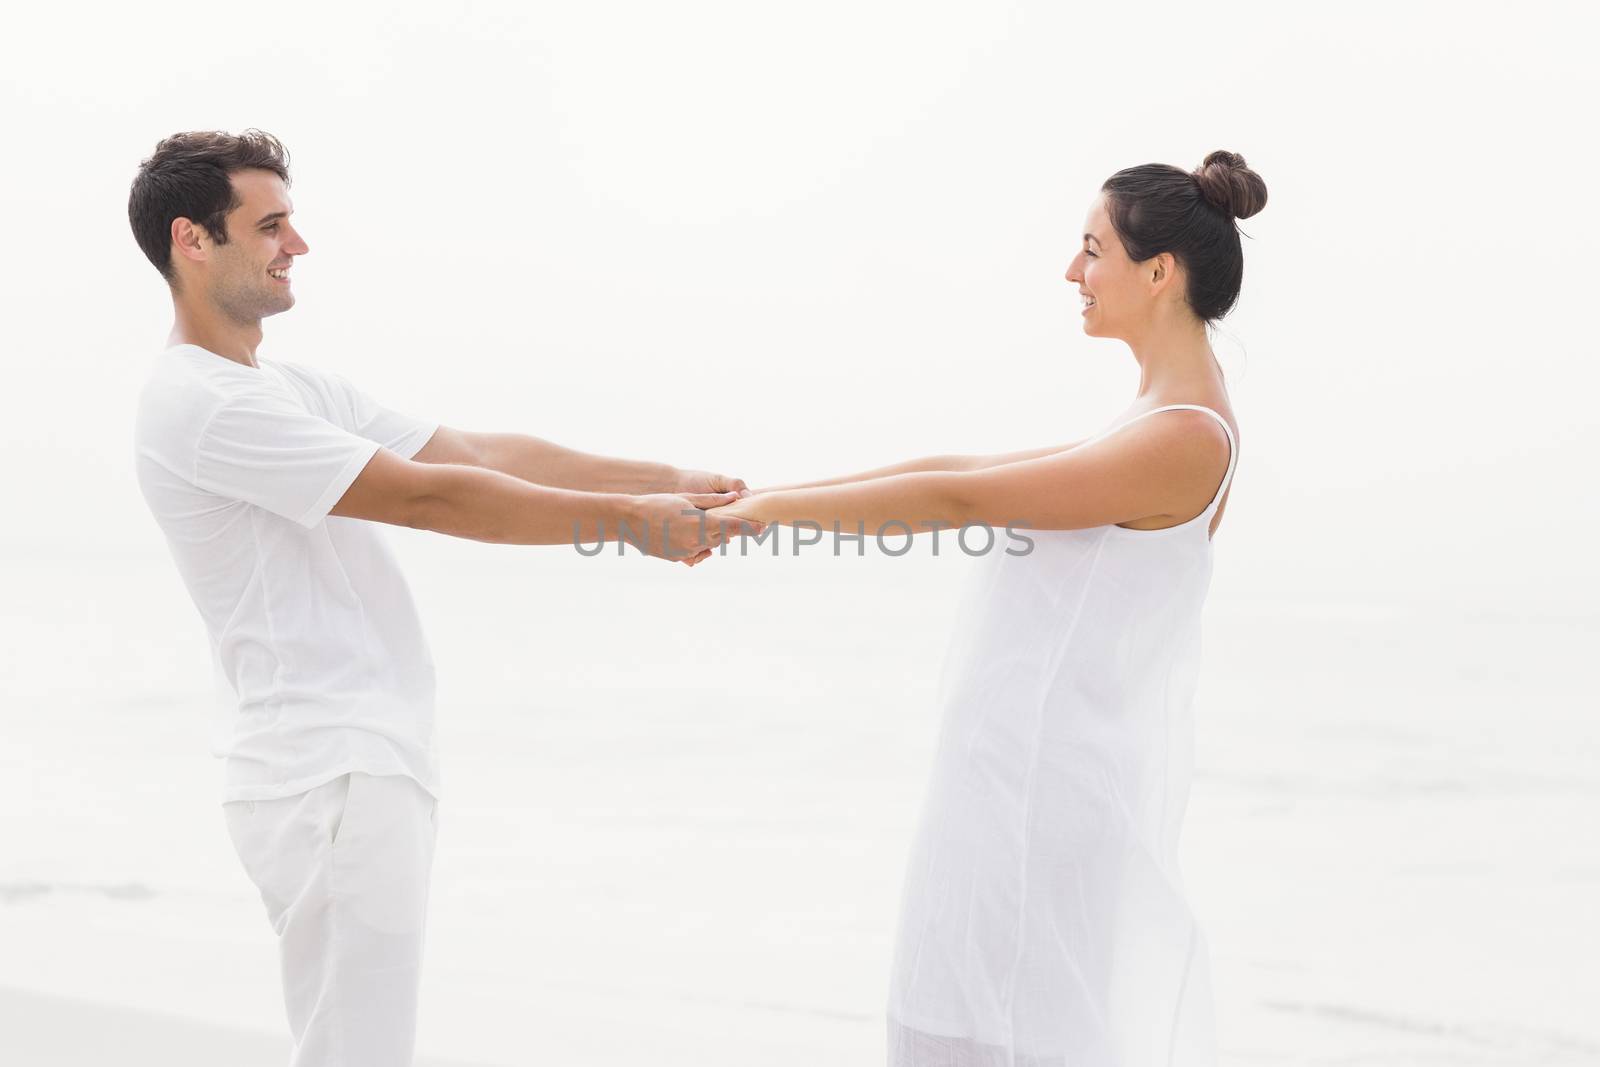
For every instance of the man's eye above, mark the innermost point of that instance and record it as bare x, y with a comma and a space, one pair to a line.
270, 226
1089, 253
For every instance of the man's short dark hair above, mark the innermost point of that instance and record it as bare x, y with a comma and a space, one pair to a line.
188, 177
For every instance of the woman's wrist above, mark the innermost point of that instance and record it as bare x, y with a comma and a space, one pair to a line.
763, 507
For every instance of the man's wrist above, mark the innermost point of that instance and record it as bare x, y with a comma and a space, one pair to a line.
664, 479
617, 516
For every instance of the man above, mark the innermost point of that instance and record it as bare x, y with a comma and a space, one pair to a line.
267, 478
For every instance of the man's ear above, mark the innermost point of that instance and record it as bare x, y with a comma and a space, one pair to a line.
189, 241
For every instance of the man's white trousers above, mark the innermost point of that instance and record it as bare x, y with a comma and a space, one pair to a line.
343, 870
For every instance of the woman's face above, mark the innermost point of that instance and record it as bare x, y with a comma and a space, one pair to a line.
1114, 295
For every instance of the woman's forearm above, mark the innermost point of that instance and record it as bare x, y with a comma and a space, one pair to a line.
910, 466
920, 500
948, 463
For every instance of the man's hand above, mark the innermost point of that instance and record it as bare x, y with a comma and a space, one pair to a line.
677, 527
707, 482
735, 518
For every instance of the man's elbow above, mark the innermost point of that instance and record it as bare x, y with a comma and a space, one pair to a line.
422, 513
430, 502
460, 447
400, 492
463, 501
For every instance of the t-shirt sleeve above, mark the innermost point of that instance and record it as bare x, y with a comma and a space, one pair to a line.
265, 450
401, 434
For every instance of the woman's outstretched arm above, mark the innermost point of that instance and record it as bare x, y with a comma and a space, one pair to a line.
930, 463
1154, 467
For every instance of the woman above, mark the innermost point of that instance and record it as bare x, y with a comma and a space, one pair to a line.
1044, 922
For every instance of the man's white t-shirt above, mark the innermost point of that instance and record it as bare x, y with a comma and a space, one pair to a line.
310, 620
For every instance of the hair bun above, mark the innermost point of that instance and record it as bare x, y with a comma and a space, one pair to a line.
1227, 183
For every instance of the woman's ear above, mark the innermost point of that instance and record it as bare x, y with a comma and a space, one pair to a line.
1162, 269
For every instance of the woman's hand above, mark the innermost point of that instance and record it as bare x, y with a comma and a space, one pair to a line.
738, 518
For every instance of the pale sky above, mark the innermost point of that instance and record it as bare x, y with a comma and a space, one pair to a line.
790, 241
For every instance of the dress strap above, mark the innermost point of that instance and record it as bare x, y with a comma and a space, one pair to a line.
1233, 446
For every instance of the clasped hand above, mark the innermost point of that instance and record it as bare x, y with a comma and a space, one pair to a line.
685, 527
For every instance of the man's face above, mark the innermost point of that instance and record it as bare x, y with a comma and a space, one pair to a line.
248, 278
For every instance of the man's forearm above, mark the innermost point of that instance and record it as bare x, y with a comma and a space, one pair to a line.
489, 505
542, 462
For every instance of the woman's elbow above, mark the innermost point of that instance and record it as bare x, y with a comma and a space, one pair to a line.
960, 498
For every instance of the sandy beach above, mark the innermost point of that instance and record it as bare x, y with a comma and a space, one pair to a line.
47, 1030
656, 841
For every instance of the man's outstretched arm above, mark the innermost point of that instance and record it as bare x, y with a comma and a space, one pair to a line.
486, 505
542, 462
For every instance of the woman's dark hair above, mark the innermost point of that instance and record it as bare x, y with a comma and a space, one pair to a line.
188, 177
1159, 208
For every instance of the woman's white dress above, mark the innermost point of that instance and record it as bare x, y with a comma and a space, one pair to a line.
1044, 920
